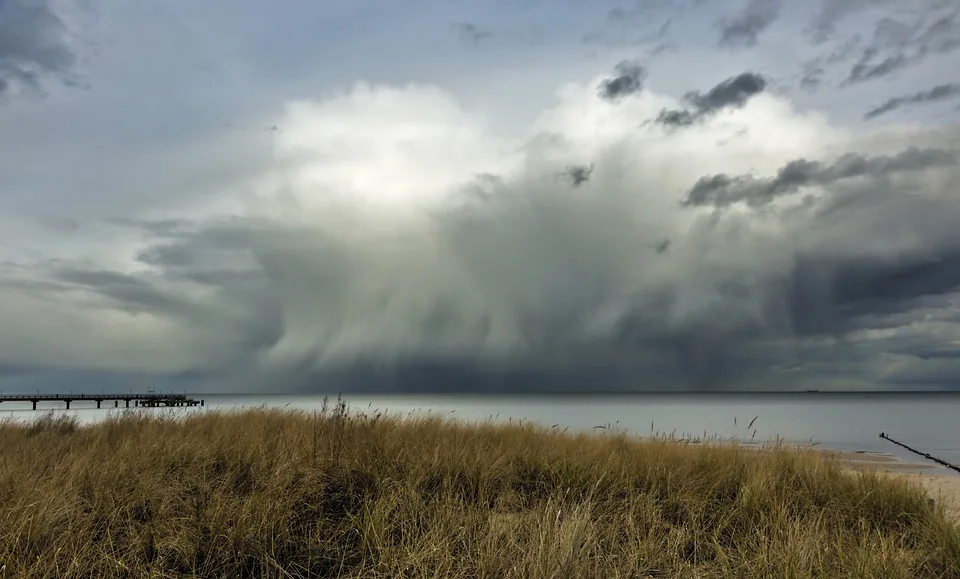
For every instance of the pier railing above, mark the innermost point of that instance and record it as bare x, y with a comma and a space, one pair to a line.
145, 400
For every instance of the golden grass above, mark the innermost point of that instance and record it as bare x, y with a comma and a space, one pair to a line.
266, 493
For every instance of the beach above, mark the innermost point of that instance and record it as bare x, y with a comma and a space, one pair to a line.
941, 484
279, 493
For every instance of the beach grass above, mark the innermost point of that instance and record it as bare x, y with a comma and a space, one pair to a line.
277, 493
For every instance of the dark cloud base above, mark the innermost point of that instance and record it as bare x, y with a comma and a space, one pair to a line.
825, 296
733, 93
628, 79
33, 45
938, 93
753, 325
723, 190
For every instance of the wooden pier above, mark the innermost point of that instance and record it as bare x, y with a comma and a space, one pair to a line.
151, 400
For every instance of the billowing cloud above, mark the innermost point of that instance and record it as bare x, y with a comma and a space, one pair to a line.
722, 190
732, 93
937, 93
34, 43
627, 80
743, 29
399, 243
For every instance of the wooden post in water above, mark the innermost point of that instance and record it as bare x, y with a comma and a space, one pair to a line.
925, 455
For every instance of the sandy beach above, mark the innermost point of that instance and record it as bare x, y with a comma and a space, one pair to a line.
941, 486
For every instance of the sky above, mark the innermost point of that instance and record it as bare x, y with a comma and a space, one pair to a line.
465, 196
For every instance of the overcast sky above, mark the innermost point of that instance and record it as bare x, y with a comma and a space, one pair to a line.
479, 196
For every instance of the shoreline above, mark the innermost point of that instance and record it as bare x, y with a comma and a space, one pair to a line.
941, 484
269, 493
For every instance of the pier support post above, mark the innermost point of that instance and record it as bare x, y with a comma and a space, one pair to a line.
128, 403
68, 404
98, 403
34, 404
116, 403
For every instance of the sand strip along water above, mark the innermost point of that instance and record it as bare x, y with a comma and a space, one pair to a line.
941, 485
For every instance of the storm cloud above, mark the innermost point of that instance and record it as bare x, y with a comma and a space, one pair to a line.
938, 93
732, 93
454, 224
34, 44
627, 80
515, 280
723, 190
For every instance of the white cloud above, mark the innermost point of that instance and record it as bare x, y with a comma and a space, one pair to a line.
393, 224
537, 261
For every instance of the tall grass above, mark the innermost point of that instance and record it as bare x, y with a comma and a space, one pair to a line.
267, 493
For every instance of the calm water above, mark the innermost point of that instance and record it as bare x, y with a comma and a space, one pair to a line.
928, 422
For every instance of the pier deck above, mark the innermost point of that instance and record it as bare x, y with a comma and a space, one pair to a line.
143, 400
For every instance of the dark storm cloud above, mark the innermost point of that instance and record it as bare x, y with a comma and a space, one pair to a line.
937, 93
675, 118
578, 174
749, 320
744, 28
628, 79
826, 293
723, 190
837, 295
730, 94
834, 287
733, 92
157, 227
128, 291
33, 44
233, 315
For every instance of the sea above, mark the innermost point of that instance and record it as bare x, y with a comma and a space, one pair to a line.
928, 421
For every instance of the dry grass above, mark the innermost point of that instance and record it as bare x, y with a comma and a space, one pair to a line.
279, 494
